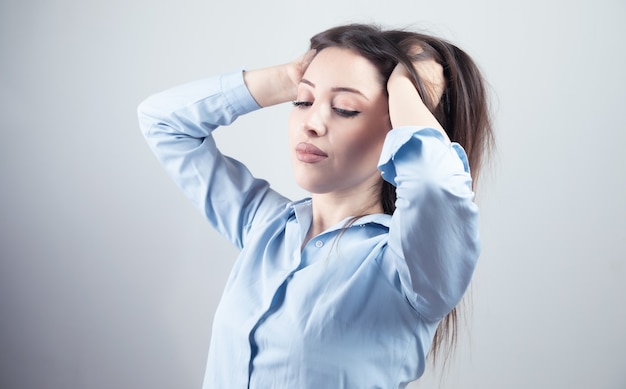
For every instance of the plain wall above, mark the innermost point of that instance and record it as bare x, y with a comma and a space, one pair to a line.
109, 278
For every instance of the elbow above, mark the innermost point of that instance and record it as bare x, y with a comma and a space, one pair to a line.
155, 120
146, 117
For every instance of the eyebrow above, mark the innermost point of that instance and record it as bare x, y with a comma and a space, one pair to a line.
337, 88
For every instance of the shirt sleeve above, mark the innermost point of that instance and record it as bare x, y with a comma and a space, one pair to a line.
433, 235
177, 125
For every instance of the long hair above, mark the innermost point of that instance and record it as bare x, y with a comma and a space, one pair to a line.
462, 110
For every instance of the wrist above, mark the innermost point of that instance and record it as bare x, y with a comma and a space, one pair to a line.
406, 107
270, 86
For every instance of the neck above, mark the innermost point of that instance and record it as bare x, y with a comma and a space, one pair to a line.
331, 208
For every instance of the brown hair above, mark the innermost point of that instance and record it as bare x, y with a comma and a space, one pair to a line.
463, 109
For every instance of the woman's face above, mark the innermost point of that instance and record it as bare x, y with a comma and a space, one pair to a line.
338, 124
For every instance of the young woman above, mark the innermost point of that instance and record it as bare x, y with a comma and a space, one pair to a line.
345, 289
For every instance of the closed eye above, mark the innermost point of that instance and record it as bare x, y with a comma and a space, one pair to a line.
346, 112
302, 104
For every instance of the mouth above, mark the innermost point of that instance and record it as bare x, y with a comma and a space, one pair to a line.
306, 152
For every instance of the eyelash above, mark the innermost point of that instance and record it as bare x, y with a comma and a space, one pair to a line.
339, 111
302, 104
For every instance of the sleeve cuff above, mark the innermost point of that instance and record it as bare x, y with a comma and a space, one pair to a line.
398, 137
237, 94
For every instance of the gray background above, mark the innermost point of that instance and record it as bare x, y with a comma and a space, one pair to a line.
109, 278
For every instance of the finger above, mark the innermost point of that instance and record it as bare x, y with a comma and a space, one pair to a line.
307, 58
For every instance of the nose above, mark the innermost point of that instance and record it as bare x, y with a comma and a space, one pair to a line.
313, 121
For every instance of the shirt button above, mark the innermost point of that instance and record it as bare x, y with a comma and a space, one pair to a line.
319, 244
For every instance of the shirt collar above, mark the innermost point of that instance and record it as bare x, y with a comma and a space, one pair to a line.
302, 209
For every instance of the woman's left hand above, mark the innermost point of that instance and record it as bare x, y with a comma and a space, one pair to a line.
406, 107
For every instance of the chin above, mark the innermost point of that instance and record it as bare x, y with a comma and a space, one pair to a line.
314, 186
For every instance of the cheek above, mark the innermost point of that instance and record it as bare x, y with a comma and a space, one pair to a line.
366, 144
375, 132
292, 124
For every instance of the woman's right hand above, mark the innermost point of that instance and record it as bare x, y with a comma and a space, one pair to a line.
277, 84
296, 68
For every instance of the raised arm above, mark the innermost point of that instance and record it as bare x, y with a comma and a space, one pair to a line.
433, 237
177, 123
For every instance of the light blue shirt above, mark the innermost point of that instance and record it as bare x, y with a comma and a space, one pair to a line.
357, 307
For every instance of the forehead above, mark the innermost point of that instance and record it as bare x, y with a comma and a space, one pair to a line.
339, 67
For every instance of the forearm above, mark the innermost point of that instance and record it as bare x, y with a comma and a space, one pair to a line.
277, 84
196, 108
270, 86
406, 107
177, 124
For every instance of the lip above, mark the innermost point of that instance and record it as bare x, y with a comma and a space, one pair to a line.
309, 153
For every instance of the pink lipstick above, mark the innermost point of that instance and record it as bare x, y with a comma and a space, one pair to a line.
309, 153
